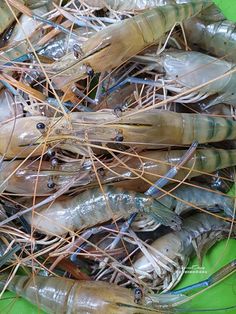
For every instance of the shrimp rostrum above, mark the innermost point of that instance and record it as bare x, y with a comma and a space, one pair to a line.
27, 136
111, 46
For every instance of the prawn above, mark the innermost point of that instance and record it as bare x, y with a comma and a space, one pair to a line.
26, 135
218, 38
132, 6
73, 213
63, 295
187, 197
188, 70
109, 47
172, 251
7, 18
152, 164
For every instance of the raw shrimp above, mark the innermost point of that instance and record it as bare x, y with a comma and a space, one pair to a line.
7, 18
93, 207
187, 197
217, 38
63, 295
152, 164
122, 5
172, 251
111, 46
191, 69
25, 136
8, 108
20, 177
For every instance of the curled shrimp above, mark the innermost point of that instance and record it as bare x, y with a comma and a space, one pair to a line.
110, 47
171, 252
73, 213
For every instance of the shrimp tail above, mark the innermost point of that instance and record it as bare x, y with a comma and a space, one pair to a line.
165, 216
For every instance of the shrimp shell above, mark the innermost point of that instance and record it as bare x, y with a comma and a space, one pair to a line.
117, 43
73, 213
62, 295
172, 251
188, 197
217, 38
154, 164
22, 137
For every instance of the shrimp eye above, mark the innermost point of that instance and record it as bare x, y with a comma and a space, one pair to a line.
119, 138
51, 185
51, 153
54, 162
138, 294
118, 111
90, 72
40, 126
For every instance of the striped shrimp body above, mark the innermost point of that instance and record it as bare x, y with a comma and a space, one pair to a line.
186, 197
153, 164
93, 207
62, 295
172, 251
26, 135
111, 46
192, 69
218, 38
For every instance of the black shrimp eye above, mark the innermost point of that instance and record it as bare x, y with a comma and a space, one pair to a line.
118, 111
40, 126
138, 294
90, 72
54, 162
51, 153
51, 185
119, 138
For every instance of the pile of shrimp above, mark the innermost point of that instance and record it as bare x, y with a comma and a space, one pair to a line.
117, 149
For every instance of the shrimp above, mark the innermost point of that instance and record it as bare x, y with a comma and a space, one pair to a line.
172, 251
187, 197
7, 18
8, 108
152, 164
63, 295
26, 135
217, 38
73, 213
191, 69
21, 177
109, 47
122, 5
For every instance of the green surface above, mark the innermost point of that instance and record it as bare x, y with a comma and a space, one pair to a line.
228, 7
